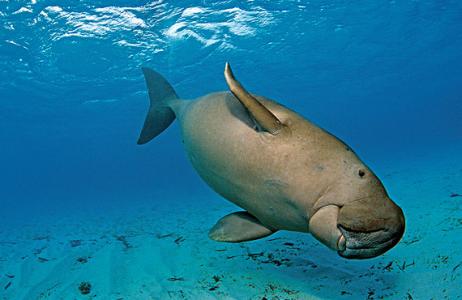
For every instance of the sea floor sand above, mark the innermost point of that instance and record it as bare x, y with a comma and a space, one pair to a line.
163, 252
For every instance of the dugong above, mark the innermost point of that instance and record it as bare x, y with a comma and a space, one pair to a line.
284, 172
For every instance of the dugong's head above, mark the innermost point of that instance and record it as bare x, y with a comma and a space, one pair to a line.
355, 216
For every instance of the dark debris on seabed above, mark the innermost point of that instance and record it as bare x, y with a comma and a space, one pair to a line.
381, 286
82, 260
174, 278
280, 257
85, 287
177, 239
123, 240
75, 243
454, 195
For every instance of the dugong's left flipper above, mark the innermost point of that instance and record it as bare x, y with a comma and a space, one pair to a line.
239, 227
264, 118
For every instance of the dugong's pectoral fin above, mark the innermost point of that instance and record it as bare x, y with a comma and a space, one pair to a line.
264, 118
239, 227
323, 226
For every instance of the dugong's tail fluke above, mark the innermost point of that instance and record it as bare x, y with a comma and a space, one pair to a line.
160, 115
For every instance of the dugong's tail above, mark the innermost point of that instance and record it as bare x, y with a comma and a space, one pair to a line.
160, 115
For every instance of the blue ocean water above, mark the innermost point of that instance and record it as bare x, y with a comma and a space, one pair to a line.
384, 76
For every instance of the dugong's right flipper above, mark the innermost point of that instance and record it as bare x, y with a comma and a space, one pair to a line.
239, 227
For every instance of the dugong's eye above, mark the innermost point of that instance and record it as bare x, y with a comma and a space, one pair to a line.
361, 173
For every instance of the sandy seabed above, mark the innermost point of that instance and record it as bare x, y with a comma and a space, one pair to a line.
163, 252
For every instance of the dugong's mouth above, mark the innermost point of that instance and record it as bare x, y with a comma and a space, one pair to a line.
357, 234
369, 227
361, 244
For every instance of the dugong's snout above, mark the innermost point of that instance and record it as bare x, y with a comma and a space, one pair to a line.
369, 227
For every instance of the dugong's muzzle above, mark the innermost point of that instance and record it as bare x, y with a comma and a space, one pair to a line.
365, 228
369, 227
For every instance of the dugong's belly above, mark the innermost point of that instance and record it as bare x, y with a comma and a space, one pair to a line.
238, 162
